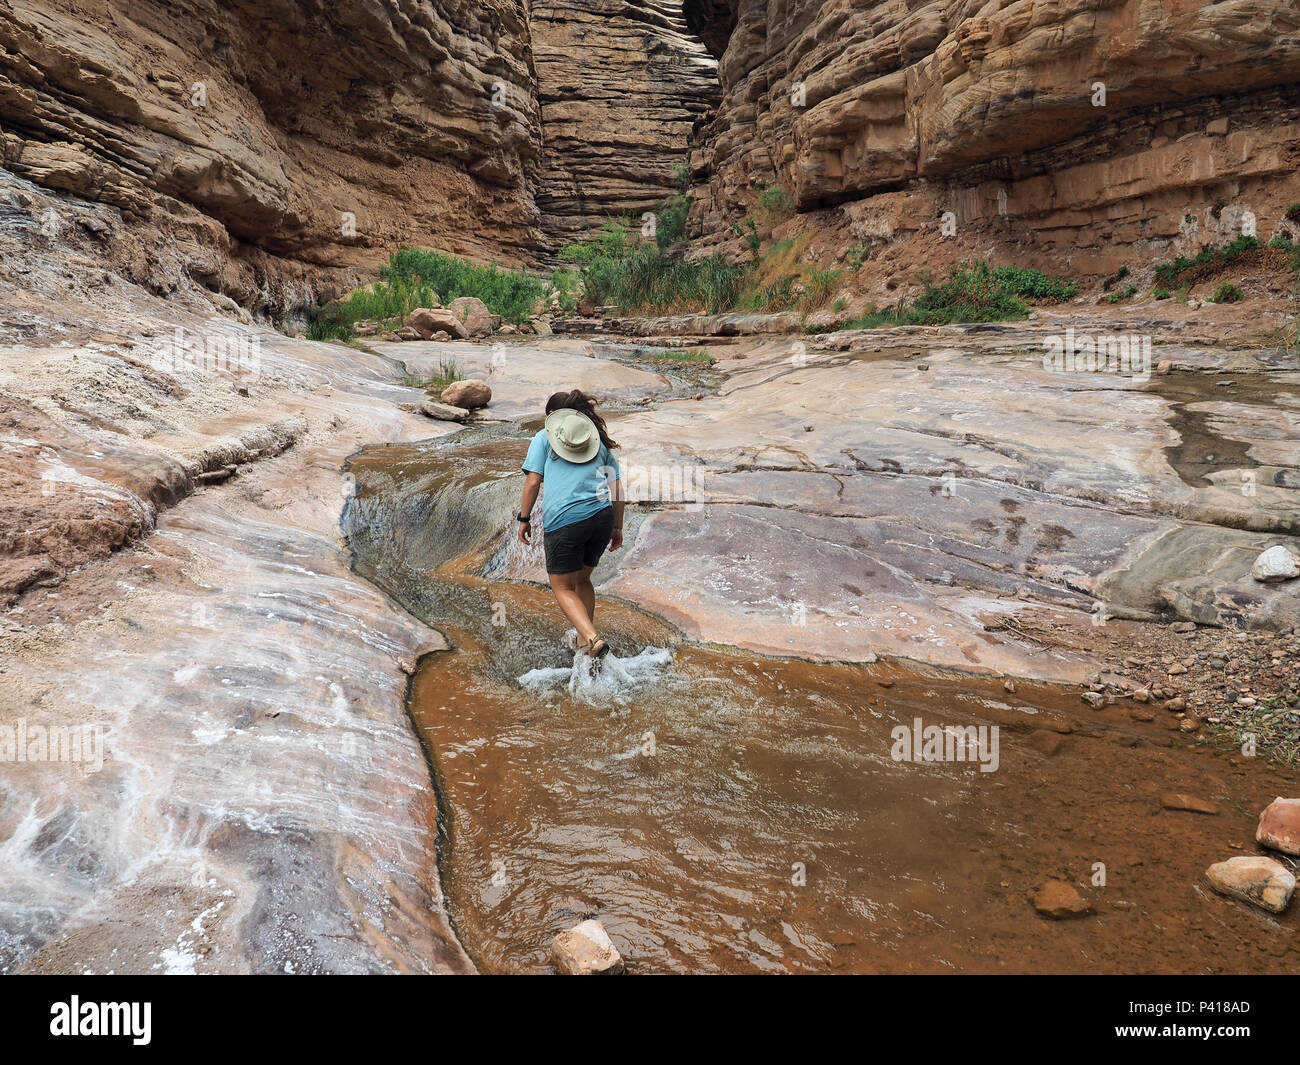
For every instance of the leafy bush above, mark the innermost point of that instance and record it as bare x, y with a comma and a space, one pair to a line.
1123, 294
1226, 293
857, 255
976, 292
564, 285
1207, 261
384, 302
509, 293
775, 200
748, 232
636, 276
1160, 293
671, 225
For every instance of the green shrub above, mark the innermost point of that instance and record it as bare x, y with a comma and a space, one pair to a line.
1160, 293
1226, 293
635, 276
976, 292
857, 255
1123, 294
327, 325
670, 226
748, 232
682, 172
1293, 212
448, 372
509, 293
1207, 260
564, 285
775, 200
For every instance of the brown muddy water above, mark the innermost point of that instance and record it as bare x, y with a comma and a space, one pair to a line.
743, 814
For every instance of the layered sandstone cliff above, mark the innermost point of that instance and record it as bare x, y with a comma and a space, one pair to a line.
1089, 126
271, 151
275, 143
620, 86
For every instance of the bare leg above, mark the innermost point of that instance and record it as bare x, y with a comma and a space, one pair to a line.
588, 592
565, 588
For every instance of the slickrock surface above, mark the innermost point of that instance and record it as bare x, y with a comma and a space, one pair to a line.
932, 499
910, 110
262, 803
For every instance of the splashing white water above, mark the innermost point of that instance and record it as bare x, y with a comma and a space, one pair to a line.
601, 681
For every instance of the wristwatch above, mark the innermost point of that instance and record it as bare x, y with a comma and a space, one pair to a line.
524, 519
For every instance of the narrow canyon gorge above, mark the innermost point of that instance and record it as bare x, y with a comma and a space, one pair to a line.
281, 692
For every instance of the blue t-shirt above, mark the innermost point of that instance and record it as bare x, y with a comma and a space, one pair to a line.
572, 491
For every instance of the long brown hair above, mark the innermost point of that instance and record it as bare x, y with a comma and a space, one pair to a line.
584, 404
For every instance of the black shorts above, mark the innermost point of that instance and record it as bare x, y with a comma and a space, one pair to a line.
571, 547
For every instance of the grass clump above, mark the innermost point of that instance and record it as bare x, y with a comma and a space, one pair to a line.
448, 373
680, 355
509, 293
1207, 262
635, 276
976, 292
1226, 293
1123, 294
385, 302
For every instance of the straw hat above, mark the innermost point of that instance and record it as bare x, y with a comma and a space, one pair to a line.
572, 435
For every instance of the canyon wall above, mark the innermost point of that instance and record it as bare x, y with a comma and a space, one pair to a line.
620, 86
274, 152
275, 144
1091, 126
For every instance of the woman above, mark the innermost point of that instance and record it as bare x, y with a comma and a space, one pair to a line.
582, 511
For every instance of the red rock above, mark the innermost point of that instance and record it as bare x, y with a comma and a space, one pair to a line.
1058, 900
1279, 826
1179, 801
1261, 881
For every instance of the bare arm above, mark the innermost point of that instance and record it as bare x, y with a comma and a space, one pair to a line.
532, 485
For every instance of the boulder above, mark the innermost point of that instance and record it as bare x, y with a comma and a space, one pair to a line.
429, 320
1058, 900
443, 412
586, 950
472, 312
541, 326
1278, 563
470, 394
1260, 881
1279, 826
406, 333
